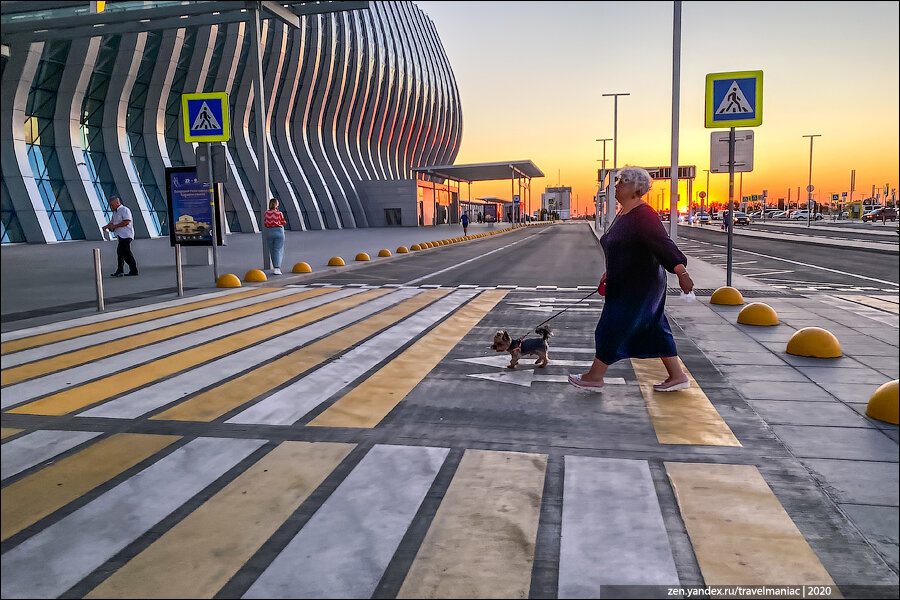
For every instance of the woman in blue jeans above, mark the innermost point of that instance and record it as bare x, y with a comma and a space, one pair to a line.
274, 222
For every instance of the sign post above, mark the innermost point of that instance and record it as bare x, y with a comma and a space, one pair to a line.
733, 99
206, 121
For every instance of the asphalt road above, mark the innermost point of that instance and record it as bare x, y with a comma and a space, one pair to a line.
791, 262
563, 255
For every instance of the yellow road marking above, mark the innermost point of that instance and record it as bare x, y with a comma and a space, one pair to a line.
113, 347
9, 431
368, 403
200, 554
740, 532
872, 302
682, 417
30, 499
94, 392
73, 332
482, 539
214, 403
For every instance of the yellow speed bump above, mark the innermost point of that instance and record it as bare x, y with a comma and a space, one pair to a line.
758, 313
362, 256
228, 281
414, 248
884, 404
336, 261
302, 267
384, 252
815, 342
727, 295
254, 275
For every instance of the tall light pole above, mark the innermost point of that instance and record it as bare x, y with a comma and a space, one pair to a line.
809, 188
602, 179
610, 205
707, 194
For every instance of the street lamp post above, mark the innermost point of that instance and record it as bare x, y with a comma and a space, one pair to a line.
809, 188
707, 193
602, 179
610, 208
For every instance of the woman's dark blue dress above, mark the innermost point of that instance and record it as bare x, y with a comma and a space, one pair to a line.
633, 322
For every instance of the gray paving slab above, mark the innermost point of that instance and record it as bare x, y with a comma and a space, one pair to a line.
719, 357
802, 412
857, 481
880, 525
806, 441
848, 375
762, 373
851, 392
785, 390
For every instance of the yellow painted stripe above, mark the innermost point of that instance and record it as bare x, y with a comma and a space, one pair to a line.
682, 417
73, 332
8, 431
214, 403
873, 303
85, 395
113, 347
27, 501
740, 532
482, 538
368, 403
200, 554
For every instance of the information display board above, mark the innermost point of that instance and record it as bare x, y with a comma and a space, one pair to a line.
191, 208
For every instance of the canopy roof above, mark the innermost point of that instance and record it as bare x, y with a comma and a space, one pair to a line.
484, 171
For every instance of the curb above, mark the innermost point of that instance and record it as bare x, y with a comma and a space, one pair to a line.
886, 250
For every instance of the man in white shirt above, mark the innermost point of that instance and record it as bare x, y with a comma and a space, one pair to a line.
121, 224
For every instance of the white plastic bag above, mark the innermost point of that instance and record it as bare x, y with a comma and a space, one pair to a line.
688, 297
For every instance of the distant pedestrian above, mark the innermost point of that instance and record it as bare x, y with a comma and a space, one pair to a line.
726, 221
124, 229
274, 223
633, 322
465, 223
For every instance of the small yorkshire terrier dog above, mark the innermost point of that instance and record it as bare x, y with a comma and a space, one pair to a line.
520, 347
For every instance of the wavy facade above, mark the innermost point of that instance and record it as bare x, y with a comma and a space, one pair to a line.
352, 98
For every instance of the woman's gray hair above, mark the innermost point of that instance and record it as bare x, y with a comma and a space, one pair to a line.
638, 176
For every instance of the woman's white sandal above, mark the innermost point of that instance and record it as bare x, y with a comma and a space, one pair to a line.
672, 387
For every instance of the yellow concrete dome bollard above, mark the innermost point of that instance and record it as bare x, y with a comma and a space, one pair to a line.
414, 248
362, 256
758, 313
402, 250
815, 342
384, 252
884, 404
255, 275
336, 261
302, 267
727, 295
228, 281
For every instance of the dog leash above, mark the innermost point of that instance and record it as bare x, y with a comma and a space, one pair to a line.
559, 313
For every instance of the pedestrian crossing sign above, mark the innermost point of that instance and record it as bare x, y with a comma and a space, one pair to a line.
205, 117
734, 99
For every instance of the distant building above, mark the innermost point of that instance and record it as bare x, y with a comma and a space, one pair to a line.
557, 199
357, 99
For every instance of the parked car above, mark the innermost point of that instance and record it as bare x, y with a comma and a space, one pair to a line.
880, 214
756, 214
741, 218
702, 218
778, 214
719, 215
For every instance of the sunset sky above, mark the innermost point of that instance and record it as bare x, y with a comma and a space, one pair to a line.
531, 77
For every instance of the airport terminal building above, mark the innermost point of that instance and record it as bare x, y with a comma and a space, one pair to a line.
356, 97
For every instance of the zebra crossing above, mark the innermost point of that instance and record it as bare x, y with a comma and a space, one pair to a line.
114, 484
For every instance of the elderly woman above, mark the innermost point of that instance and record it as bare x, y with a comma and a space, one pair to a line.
633, 322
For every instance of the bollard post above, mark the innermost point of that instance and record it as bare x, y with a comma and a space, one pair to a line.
98, 279
179, 281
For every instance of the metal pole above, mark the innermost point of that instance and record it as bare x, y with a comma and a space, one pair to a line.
809, 188
179, 280
215, 213
259, 108
707, 194
730, 205
610, 207
676, 78
605, 202
98, 280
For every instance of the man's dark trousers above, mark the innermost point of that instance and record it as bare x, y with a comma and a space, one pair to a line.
123, 252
